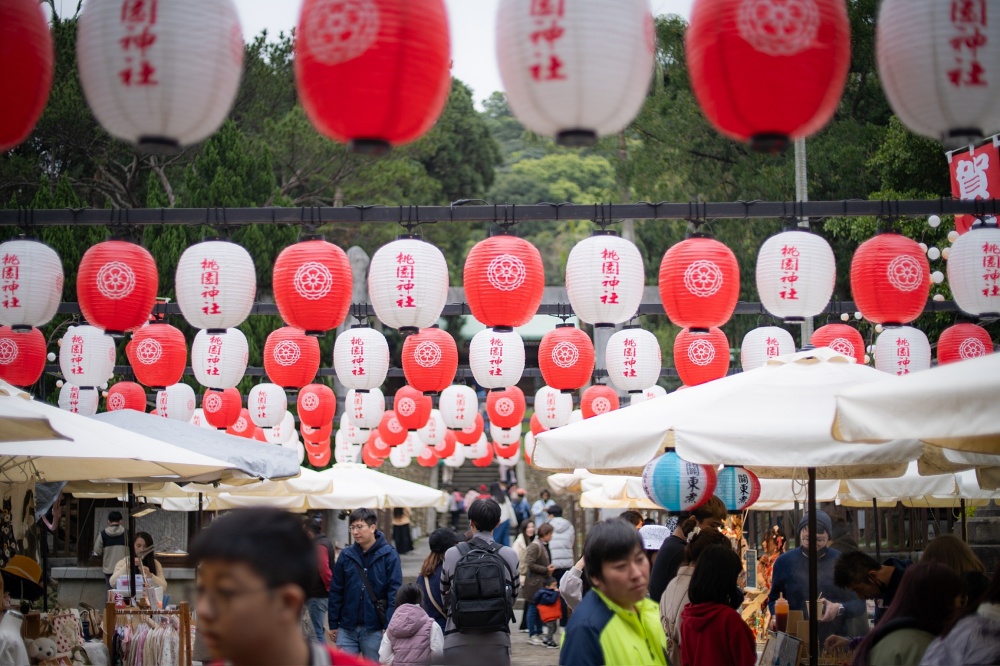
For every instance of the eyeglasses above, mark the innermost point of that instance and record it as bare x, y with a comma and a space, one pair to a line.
221, 600
357, 528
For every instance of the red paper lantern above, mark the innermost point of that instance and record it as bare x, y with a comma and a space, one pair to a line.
316, 405
319, 455
222, 408
369, 457
535, 425
430, 360
701, 356
378, 446
699, 283
566, 358
316, 435
390, 430
373, 73
486, 460
598, 399
504, 280
413, 408
506, 451
22, 356
447, 446
428, 458
963, 341
470, 434
768, 71
890, 279
243, 426
116, 286
506, 407
291, 358
25, 69
158, 354
312, 286
126, 395
842, 339
258, 434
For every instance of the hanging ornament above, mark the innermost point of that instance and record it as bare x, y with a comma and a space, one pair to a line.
566, 357
22, 356
390, 430
470, 434
446, 447
26, 65
316, 435
291, 358
633, 359
900, 350
650, 393
221, 408
552, 407
176, 402
737, 487
116, 286
432, 433
365, 408
506, 407
604, 279
79, 400
430, 360
351, 433
312, 285
428, 458
505, 436
243, 426
496, 357
361, 358
484, 460
459, 405
699, 283
408, 284
504, 281
764, 343
534, 423
796, 272
316, 405
32, 274
282, 432
215, 284
890, 279
125, 395
974, 271
219, 359
598, 399
86, 356
701, 356
456, 458
963, 341
842, 339
677, 485
267, 404
412, 408
158, 354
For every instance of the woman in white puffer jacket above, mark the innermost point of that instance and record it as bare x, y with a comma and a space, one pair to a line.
563, 541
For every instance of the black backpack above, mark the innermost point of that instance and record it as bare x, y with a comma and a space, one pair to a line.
482, 589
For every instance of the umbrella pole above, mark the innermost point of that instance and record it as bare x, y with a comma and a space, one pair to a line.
813, 575
201, 513
965, 525
130, 504
878, 531
45, 568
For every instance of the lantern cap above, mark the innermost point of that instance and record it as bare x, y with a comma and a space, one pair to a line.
577, 138
603, 232
503, 329
373, 147
565, 325
770, 143
962, 136
158, 145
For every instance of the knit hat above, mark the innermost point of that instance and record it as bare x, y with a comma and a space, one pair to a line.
823, 523
442, 539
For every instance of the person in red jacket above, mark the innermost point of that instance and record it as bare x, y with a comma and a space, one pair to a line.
712, 630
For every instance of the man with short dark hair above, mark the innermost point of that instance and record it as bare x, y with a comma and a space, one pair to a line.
862, 574
110, 544
319, 591
368, 569
633, 517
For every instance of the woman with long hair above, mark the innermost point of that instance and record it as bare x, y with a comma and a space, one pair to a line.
429, 579
955, 554
975, 638
146, 566
709, 516
524, 538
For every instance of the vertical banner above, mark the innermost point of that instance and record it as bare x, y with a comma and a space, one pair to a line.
975, 174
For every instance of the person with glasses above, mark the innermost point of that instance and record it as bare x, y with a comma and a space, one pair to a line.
254, 566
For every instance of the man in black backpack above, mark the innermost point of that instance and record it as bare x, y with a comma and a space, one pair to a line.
479, 583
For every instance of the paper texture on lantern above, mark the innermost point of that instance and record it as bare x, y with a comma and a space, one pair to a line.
433, 432
764, 343
604, 279
351, 433
504, 280
408, 284
430, 360
26, 67
361, 358
412, 407
219, 360
116, 286
176, 402
566, 357
22, 356
553, 407
83, 401
221, 408
633, 359
198, 419
701, 356
267, 404
316, 404
699, 283
158, 354
126, 395
86, 356
291, 358
496, 358
890, 279
505, 436
457, 458
963, 341
312, 285
975, 174
974, 272
414, 445
31, 275
225, 267
597, 400
399, 456
506, 407
459, 405
649, 394
478, 449
678, 485
842, 339
364, 408
282, 432
902, 350
796, 272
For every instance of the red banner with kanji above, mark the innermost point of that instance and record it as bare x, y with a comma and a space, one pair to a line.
975, 174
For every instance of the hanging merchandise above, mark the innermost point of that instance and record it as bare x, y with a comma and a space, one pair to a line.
176, 402
605, 276
163, 75
31, 273
365, 408
650, 393
26, 65
351, 433
390, 430
552, 407
598, 399
125, 395
505, 436
433, 432
219, 358
796, 272
566, 357
701, 356
737, 487
470, 434
316, 405
764, 343
842, 339
243, 425
974, 271
633, 359
79, 400
215, 285
699, 283
86, 356
22, 356
412, 407
456, 458
158, 355
459, 405
267, 404
430, 360
312, 285
446, 447
963, 341
504, 281
361, 358
506, 407
900, 350
221, 408
890, 279
768, 71
677, 485
282, 432
408, 284
116, 286
496, 357
428, 458
291, 358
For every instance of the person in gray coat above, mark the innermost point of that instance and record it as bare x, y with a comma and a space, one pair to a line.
975, 638
561, 549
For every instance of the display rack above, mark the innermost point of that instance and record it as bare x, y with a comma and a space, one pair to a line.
113, 616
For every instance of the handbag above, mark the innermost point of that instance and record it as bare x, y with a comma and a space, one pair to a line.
380, 606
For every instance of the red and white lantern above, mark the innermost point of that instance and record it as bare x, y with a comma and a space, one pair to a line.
963, 341
796, 272
605, 276
552, 407
633, 359
79, 400
116, 286
219, 359
361, 358
428, 458
737, 487
378, 447
974, 271
158, 354
505, 437
282, 432
22, 356
496, 357
507, 455
486, 459
316, 435
412, 407
506, 407
566, 357
199, 419
479, 448
365, 408
390, 430
454, 459
701, 356
764, 343
447, 446
243, 426
291, 358
699, 283
470, 434
902, 350
312, 286
369, 458
31, 274
267, 404
890, 279
842, 339
86, 356
430, 360
408, 284
126, 395
504, 281
650, 393
414, 445
221, 408
215, 283
598, 399
534, 423
26, 65
319, 455
433, 432
351, 433
176, 402
400, 457
316, 405
459, 405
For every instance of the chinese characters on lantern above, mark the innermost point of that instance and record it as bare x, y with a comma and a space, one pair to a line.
991, 269
76, 357
610, 273
10, 276
550, 405
772, 348
460, 407
357, 356
789, 272
969, 21
210, 285
74, 399
138, 18
629, 357
694, 480
975, 172
261, 405
548, 30
496, 358
358, 406
214, 356
743, 481
161, 404
405, 276
902, 356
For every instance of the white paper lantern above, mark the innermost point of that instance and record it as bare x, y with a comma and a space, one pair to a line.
160, 74
361, 358
31, 275
605, 276
764, 343
86, 356
553, 407
364, 409
414, 445
796, 271
649, 394
351, 433
505, 436
901, 350
215, 284
633, 359
176, 402
344, 451
408, 284
198, 419
575, 416
219, 360
477, 450
974, 272
496, 358
399, 456
282, 432
79, 400
457, 458
267, 404
510, 461
434, 430
459, 405
557, 83
295, 444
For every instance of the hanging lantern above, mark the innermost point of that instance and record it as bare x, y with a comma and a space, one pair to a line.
552, 407
158, 354
598, 399
319, 454
361, 358
26, 64
900, 350
507, 455
351, 433
79, 400
633, 359
428, 458
391, 57
890, 279
470, 434
162, 75
222, 408
291, 358
446, 447
312, 286
741, 56
701, 356
297, 448
962, 341
282, 432
764, 343
399, 457
267, 404
215, 284
219, 359
316, 405
677, 485
31, 273
456, 458
566, 357
390, 430
842, 339
534, 423
365, 408
176, 402
243, 426
506, 408
496, 357
479, 448
459, 405
529, 447
125, 395
737, 487
22, 356
575, 416
432, 433
796, 272
116, 286
316, 435
414, 445
379, 447
344, 451
974, 271
650, 393
505, 436
86, 356
412, 408
430, 360
408, 284
504, 280
198, 419
484, 460
605, 277
369, 458
699, 283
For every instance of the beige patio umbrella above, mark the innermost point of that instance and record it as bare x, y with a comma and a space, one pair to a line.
23, 428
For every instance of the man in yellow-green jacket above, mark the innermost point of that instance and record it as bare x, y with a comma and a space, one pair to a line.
615, 624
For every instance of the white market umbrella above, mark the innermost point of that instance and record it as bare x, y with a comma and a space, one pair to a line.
24, 428
307, 482
563, 483
910, 488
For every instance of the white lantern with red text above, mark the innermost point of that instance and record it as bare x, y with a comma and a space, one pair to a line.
575, 417
553, 407
795, 275
361, 358
216, 284
650, 393
198, 419
267, 404
477, 449
496, 357
764, 343
974, 271
31, 276
219, 359
86, 356
633, 359
400, 456
901, 350
456, 459
414, 445
604, 279
434, 430
459, 405
282, 432
176, 402
505, 436
364, 408
351, 433
79, 400
408, 284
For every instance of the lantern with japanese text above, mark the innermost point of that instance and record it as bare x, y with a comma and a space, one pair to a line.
650, 393
701, 356
795, 275
484, 460
459, 405
316, 435
428, 458
598, 399
432, 433
414, 445
176, 402
215, 283
504, 281
566, 357
31, 276
408, 284
505, 436
116, 286
480, 448
221, 408
506, 408
267, 404
430, 360
198, 419
243, 426
365, 408
391, 58
79, 400
312, 286
282, 432
351, 433
552, 407
219, 359
412, 407
963, 341
699, 283
26, 65
604, 279
974, 271
842, 339
470, 434
975, 175
678, 485
454, 459
86, 356
162, 75
890, 279
446, 446
633, 359
900, 350
291, 358
126, 395
390, 430
316, 405
361, 358
400, 457
496, 357
737, 487
158, 354
22, 356
741, 54
764, 343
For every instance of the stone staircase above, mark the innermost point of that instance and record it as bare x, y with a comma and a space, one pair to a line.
465, 477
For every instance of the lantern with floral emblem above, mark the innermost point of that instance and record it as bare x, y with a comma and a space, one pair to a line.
484, 460
506, 407
408, 284
890, 279
796, 272
22, 356
552, 407
842, 339
243, 426
126, 395
701, 356
267, 404
26, 65
116, 286
598, 399
390, 430
79, 400
650, 393
412, 407
316, 405
678, 485
291, 358
504, 279
31, 276
459, 405
312, 286
764, 343
699, 283
430, 360
215, 283
219, 359
566, 357
158, 354
361, 358
496, 357
604, 279
633, 359
86, 356
176, 402
221, 408
901, 350
365, 408
737, 487
470, 434
446, 447
974, 272
963, 341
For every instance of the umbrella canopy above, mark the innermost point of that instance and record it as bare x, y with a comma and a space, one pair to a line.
25, 428
568, 483
910, 488
306, 482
